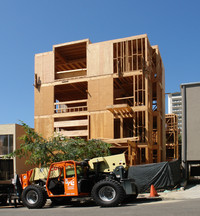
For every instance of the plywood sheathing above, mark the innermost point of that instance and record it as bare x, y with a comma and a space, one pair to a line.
100, 59
44, 110
44, 67
45, 126
44, 101
101, 124
100, 94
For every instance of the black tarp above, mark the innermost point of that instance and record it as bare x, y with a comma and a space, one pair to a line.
162, 175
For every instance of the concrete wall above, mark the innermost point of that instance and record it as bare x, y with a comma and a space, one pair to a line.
190, 127
191, 94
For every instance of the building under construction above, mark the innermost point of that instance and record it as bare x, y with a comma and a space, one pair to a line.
171, 128
112, 90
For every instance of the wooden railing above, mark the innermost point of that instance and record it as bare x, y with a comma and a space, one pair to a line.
70, 106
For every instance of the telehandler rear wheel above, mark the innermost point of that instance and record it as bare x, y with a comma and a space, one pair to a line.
34, 196
108, 193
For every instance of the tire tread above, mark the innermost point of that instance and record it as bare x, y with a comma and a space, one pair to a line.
42, 196
119, 190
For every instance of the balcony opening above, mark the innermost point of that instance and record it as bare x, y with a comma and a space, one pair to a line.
71, 97
123, 90
70, 108
70, 60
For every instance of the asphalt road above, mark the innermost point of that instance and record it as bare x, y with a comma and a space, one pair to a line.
151, 207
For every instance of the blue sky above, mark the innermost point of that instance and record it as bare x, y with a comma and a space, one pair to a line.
30, 27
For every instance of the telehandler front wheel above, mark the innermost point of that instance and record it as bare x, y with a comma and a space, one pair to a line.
34, 196
108, 193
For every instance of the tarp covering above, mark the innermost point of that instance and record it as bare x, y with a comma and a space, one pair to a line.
42, 173
162, 175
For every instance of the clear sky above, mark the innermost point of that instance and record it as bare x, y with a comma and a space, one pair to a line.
29, 27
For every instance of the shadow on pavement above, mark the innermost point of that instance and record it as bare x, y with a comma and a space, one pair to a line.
192, 183
90, 203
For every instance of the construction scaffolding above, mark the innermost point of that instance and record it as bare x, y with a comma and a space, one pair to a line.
171, 124
112, 90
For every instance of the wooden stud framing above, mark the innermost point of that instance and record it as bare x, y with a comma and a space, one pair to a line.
171, 122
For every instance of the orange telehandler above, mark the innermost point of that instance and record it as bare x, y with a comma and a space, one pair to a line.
71, 179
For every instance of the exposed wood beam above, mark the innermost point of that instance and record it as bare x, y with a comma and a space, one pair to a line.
72, 66
72, 123
60, 57
71, 102
76, 60
80, 90
76, 70
75, 133
121, 86
122, 140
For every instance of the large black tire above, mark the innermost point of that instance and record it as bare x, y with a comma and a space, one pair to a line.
34, 196
108, 193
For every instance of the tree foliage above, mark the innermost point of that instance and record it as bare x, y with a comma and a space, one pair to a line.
40, 151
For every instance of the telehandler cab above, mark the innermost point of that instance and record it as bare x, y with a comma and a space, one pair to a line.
71, 179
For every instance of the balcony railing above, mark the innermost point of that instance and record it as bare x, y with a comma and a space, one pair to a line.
70, 106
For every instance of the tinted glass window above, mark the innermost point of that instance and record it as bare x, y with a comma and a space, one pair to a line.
6, 169
6, 144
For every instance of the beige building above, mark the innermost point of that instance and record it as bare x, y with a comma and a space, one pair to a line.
112, 90
9, 141
191, 126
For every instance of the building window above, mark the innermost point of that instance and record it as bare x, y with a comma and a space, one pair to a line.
6, 144
6, 169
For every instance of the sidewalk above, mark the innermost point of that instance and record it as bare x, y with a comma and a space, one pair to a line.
191, 192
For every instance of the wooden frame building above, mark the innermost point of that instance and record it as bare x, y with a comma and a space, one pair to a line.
172, 148
112, 90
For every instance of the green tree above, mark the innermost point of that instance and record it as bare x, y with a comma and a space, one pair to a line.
40, 151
